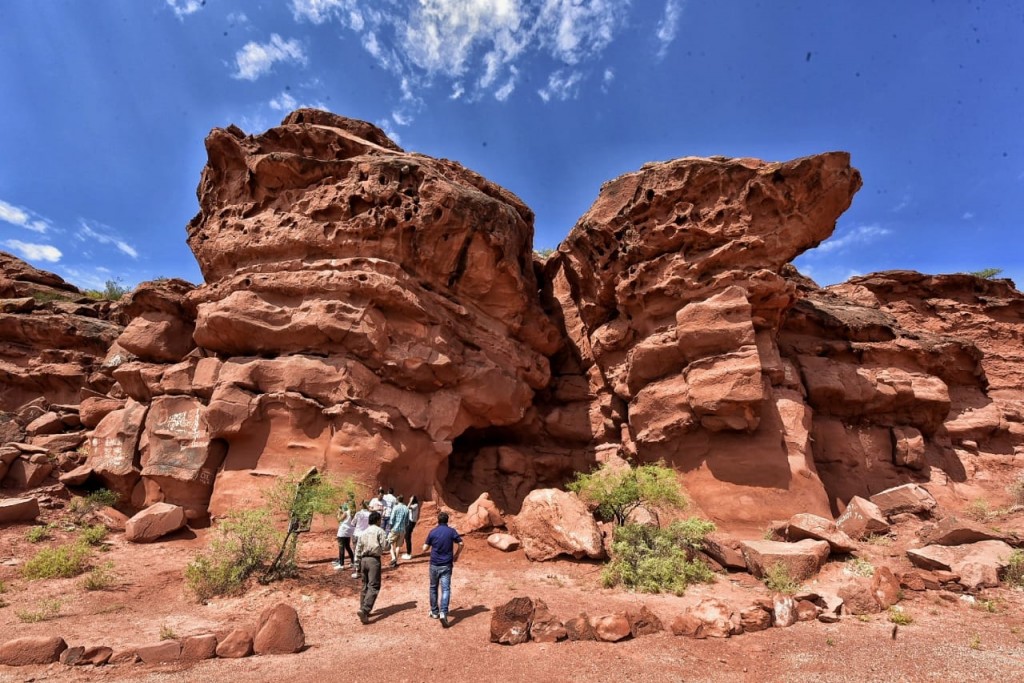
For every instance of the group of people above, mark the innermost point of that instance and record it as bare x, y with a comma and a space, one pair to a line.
380, 526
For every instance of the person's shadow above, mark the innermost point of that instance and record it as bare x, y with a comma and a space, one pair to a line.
461, 613
391, 610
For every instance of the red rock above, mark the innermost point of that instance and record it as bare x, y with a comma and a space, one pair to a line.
71, 655
47, 423
643, 622
198, 648
127, 656
32, 650
112, 448
907, 498
76, 476
510, 622
807, 611
908, 449
553, 523
154, 522
546, 627
237, 643
114, 520
955, 531
755, 618
579, 628
483, 514
160, 653
95, 656
93, 409
279, 631
712, 617
22, 473
885, 586
818, 528
918, 580
802, 559
858, 597
611, 628
861, 519
18, 510
689, 625
503, 542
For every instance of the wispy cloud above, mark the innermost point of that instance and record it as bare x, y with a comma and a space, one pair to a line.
846, 239
283, 102
607, 78
90, 231
23, 218
904, 202
34, 252
968, 216
183, 8
256, 59
561, 85
481, 47
668, 26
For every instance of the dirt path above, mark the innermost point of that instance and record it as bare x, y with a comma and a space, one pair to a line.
948, 641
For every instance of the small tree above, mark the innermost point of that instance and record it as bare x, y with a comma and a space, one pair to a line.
619, 491
652, 560
987, 273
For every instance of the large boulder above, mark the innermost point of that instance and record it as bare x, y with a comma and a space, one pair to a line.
862, 518
907, 498
18, 509
978, 564
801, 560
483, 514
820, 529
154, 523
279, 632
31, 650
553, 522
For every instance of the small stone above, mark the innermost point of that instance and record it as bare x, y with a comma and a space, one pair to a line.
236, 644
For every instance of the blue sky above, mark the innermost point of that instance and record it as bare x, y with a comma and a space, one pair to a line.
105, 106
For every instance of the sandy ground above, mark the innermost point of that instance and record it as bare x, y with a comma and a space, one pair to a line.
949, 640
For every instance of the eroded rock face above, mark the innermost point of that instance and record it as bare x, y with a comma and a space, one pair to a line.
671, 294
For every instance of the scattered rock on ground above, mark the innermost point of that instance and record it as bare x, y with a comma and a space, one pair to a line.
154, 522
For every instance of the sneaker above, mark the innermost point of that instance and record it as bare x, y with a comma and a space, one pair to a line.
444, 621
434, 615
337, 565
407, 556
363, 617
355, 575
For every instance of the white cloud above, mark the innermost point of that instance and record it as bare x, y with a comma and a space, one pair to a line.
904, 203
968, 216
853, 237
104, 234
283, 102
475, 45
85, 279
34, 252
237, 18
607, 78
668, 26
385, 125
401, 118
23, 218
183, 8
256, 59
561, 86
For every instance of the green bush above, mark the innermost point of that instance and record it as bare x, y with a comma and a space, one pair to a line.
653, 560
81, 507
92, 534
1014, 572
617, 491
859, 567
62, 561
113, 290
37, 534
243, 544
48, 609
986, 273
898, 616
778, 579
100, 578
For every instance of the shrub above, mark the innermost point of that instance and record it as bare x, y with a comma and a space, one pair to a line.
113, 290
978, 510
653, 560
48, 609
63, 561
1014, 572
167, 633
100, 578
620, 490
81, 507
92, 534
986, 273
1016, 490
37, 534
778, 579
243, 544
898, 616
859, 567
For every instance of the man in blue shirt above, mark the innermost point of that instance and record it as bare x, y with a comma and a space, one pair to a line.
441, 542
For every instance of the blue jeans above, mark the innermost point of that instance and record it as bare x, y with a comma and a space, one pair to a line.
440, 574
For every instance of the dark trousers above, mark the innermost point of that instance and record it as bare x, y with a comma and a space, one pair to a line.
369, 569
408, 537
345, 546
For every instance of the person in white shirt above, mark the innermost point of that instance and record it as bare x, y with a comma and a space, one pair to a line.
362, 523
346, 529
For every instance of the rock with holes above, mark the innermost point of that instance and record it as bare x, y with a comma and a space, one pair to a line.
546, 627
579, 628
